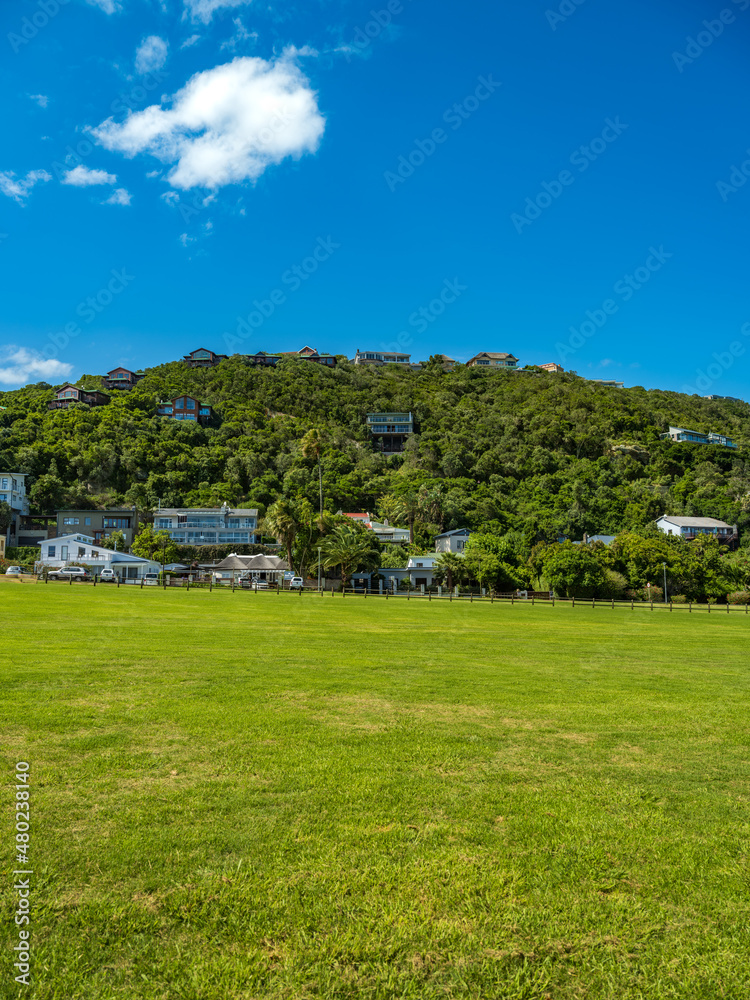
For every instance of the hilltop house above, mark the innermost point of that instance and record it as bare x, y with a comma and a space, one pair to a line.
68, 394
185, 408
208, 525
390, 430
263, 359
493, 359
697, 437
202, 358
81, 549
310, 354
552, 368
100, 523
121, 378
691, 527
383, 531
377, 358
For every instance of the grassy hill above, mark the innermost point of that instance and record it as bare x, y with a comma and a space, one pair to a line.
546, 454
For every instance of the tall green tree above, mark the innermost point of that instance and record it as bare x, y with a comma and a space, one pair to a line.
312, 447
352, 548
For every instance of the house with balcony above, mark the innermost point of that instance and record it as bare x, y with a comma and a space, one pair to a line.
203, 358
390, 431
13, 492
185, 408
310, 354
69, 394
374, 359
100, 523
552, 368
35, 528
697, 437
386, 533
209, 525
492, 359
264, 360
77, 548
690, 528
121, 378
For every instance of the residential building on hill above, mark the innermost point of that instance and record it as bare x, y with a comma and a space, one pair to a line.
13, 492
263, 359
100, 523
121, 378
691, 527
383, 531
612, 383
36, 528
697, 437
185, 408
69, 394
552, 367
202, 358
209, 525
376, 358
390, 430
310, 354
452, 541
492, 359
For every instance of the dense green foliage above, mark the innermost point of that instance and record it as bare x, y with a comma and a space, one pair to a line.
547, 455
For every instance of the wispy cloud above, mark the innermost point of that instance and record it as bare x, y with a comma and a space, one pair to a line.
204, 10
19, 366
118, 197
228, 124
108, 6
81, 176
19, 188
190, 41
151, 54
41, 99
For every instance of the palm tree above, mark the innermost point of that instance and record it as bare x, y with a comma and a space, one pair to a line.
282, 522
312, 447
452, 566
351, 548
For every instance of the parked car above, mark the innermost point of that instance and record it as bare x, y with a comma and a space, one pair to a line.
259, 585
151, 580
107, 576
13, 571
69, 573
296, 583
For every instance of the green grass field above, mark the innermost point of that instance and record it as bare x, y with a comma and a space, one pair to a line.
251, 796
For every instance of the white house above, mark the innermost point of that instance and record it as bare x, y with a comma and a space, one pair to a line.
420, 570
452, 541
691, 527
13, 492
58, 552
383, 531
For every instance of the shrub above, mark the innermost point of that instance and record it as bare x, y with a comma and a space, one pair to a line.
739, 597
615, 586
655, 594
678, 599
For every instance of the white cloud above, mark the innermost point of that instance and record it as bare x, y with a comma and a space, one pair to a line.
241, 34
81, 176
19, 189
151, 54
41, 99
187, 240
204, 10
190, 41
171, 197
118, 197
108, 6
19, 366
227, 124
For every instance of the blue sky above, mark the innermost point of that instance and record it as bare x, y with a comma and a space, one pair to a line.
562, 181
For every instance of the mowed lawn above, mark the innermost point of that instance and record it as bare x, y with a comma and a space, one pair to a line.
251, 795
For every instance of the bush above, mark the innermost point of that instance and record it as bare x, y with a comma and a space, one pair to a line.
655, 594
614, 587
739, 597
678, 599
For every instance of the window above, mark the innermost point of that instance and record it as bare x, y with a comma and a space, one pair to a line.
180, 403
164, 522
234, 536
5, 484
81, 552
189, 403
4, 497
87, 520
201, 354
116, 522
205, 411
71, 520
50, 551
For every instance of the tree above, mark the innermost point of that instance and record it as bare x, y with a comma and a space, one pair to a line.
451, 567
312, 447
282, 522
47, 494
350, 547
116, 540
155, 545
6, 516
573, 571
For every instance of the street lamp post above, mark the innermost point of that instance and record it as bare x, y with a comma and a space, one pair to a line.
664, 566
319, 551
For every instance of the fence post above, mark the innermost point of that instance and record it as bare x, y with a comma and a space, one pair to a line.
142, 579
593, 602
188, 586
652, 605
613, 604
553, 600
574, 602
709, 608
727, 607
210, 583
632, 604
671, 606
690, 607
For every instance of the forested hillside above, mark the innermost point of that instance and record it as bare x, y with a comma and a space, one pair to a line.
547, 454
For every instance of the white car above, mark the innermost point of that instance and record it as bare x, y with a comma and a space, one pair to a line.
107, 576
151, 580
13, 571
259, 585
296, 583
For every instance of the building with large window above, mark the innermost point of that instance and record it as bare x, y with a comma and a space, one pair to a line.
121, 378
13, 492
697, 437
377, 358
390, 430
99, 523
203, 358
690, 528
69, 394
492, 359
209, 525
77, 548
185, 408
